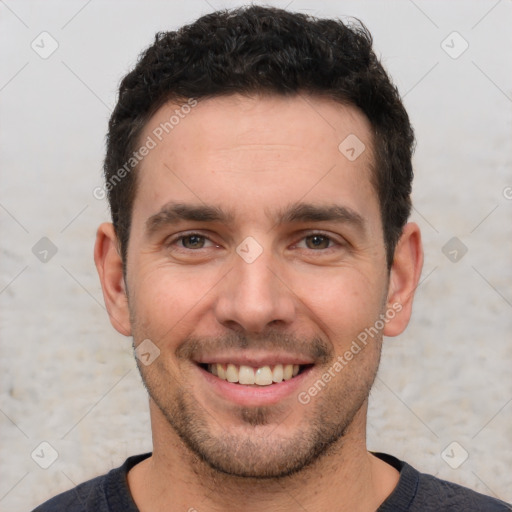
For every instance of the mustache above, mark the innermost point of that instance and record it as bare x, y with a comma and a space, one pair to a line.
315, 348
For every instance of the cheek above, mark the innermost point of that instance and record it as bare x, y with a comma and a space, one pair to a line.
344, 302
165, 300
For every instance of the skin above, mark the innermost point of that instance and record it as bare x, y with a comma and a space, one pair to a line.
310, 297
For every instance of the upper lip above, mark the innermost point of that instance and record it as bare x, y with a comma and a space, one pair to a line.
254, 360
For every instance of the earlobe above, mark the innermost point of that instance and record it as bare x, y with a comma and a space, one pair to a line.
404, 277
110, 270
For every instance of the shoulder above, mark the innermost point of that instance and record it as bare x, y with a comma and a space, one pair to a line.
105, 493
86, 496
419, 492
449, 496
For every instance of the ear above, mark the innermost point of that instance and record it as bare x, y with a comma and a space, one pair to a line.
404, 277
110, 269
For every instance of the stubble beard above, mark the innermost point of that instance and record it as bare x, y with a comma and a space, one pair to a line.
257, 450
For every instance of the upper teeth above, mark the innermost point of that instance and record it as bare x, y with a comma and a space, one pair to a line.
263, 376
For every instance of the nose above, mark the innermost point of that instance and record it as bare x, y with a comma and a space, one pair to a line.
255, 295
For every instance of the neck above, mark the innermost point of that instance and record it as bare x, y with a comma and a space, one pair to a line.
345, 478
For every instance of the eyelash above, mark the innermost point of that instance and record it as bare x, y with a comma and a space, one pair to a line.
181, 237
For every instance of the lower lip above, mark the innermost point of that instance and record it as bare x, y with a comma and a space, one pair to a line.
251, 395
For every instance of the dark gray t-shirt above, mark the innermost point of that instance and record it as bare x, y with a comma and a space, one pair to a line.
415, 492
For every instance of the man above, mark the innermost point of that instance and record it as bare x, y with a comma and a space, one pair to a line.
259, 173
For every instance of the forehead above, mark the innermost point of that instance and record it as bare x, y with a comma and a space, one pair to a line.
227, 122
267, 149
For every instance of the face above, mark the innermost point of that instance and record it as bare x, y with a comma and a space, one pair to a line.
256, 258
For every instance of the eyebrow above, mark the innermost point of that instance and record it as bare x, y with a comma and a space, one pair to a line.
306, 212
174, 212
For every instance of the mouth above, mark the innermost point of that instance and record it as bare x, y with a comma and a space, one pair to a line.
246, 375
252, 382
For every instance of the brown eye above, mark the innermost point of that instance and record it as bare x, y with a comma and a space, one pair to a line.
317, 242
193, 241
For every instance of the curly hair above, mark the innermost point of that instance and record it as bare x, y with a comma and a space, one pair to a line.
267, 50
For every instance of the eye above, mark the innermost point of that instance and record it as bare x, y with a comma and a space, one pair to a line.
316, 241
191, 241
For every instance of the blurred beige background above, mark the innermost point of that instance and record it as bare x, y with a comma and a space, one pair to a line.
443, 398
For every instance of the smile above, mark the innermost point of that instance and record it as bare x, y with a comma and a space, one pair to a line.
252, 383
248, 375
